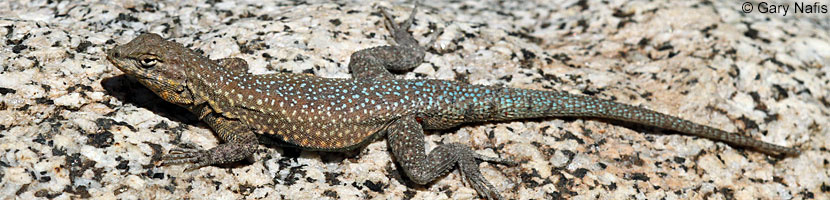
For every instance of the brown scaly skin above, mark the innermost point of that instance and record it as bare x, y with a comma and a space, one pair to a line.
340, 114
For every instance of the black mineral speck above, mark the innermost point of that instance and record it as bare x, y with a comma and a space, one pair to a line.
376, 187
679, 160
123, 165
106, 123
331, 178
82, 46
126, 17
100, 140
121, 189
40, 139
308, 71
4, 91
808, 194
81, 191
45, 193
527, 179
77, 164
336, 22
612, 186
639, 176
161, 125
580, 172
158, 175
58, 151
571, 136
293, 175
18, 48
330, 193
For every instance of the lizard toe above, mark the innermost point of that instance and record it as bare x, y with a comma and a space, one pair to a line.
197, 165
184, 155
470, 171
398, 28
388, 21
496, 160
178, 150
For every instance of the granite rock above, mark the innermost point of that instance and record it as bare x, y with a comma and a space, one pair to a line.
73, 126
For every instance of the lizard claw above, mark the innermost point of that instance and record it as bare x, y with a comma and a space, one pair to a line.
469, 169
389, 22
434, 37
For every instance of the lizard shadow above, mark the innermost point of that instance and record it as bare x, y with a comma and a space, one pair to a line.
128, 90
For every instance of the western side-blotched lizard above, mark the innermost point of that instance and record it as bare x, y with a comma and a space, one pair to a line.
330, 114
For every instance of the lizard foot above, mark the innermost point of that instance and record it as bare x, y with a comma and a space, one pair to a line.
469, 169
400, 31
196, 156
403, 26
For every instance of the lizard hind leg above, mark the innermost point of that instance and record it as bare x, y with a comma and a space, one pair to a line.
375, 62
406, 141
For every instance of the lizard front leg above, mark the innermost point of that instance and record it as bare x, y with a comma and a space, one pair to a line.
240, 143
406, 140
376, 62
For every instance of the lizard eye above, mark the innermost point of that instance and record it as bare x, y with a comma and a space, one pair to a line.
148, 62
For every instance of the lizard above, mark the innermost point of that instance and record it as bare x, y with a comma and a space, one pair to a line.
341, 114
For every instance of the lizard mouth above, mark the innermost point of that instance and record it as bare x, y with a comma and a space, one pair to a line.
126, 65
121, 65
130, 69
115, 56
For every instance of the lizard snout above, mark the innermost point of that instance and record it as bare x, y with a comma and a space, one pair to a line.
114, 53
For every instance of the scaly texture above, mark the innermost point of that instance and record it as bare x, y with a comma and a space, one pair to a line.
326, 114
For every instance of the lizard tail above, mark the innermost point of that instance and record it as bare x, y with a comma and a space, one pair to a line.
510, 103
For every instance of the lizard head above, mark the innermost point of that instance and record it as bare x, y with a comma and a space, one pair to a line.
157, 64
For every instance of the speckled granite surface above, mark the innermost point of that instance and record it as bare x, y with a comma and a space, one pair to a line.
71, 125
